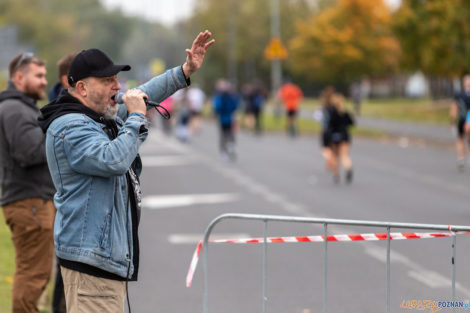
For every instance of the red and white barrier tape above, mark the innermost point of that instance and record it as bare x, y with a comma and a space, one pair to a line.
350, 237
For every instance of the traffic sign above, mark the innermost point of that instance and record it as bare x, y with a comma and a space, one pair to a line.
275, 50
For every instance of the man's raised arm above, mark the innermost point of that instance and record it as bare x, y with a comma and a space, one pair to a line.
195, 55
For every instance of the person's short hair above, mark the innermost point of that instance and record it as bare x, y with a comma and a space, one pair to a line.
22, 60
64, 64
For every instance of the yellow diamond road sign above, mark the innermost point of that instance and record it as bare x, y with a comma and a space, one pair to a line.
275, 50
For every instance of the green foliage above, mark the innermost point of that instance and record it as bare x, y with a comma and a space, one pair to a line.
421, 110
148, 41
434, 35
55, 28
345, 42
328, 40
249, 21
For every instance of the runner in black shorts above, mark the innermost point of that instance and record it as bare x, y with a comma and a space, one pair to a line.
292, 113
339, 138
458, 114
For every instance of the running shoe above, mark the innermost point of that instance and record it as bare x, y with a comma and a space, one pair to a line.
349, 176
336, 178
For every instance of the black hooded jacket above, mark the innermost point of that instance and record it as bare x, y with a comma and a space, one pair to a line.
66, 104
24, 172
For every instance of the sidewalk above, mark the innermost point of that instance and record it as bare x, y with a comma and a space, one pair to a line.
428, 132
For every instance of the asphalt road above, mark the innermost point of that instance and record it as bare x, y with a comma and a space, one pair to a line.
188, 185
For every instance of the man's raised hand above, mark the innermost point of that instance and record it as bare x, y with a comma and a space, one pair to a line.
195, 55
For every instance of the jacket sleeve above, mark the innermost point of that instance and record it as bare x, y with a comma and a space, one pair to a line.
26, 141
349, 119
89, 150
216, 104
162, 86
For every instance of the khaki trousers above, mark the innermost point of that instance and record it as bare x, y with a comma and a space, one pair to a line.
89, 294
30, 222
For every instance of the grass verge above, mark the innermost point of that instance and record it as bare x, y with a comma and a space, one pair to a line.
272, 123
7, 265
421, 110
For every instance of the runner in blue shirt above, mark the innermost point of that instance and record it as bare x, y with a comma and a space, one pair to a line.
458, 115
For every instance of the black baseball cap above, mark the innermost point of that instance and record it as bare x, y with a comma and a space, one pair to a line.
93, 63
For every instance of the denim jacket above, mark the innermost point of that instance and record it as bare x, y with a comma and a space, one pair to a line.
92, 224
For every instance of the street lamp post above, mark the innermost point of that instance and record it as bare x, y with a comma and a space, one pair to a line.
231, 43
276, 67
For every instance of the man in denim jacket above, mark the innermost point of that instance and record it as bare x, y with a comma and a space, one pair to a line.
94, 163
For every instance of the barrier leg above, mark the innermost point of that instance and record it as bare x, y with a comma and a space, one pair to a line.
265, 266
388, 270
325, 268
205, 300
454, 252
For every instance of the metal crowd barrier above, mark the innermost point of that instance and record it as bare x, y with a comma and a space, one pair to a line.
325, 222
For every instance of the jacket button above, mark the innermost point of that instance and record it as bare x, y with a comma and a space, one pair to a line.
123, 187
127, 255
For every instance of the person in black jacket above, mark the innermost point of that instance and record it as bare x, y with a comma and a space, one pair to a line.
324, 117
26, 185
339, 138
63, 66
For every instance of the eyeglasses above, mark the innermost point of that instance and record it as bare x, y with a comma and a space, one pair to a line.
25, 57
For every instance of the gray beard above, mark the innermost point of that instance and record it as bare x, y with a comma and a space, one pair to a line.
111, 113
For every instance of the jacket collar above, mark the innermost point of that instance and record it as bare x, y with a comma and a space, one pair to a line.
66, 104
12, 93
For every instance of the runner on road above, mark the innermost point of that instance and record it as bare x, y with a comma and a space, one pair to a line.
290, 94
339, 138
225, 104
324, 117
458, 114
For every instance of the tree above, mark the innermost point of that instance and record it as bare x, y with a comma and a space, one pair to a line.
250, 29
59, 27
345, 42
149, 41
434, 35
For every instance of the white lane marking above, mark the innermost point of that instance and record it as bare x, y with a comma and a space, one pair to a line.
371, 249
421, 178
429, 278
168, 160
165, 202
195, 238
256, 188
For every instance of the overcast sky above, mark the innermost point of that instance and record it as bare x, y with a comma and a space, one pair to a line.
163, 11
168, 11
